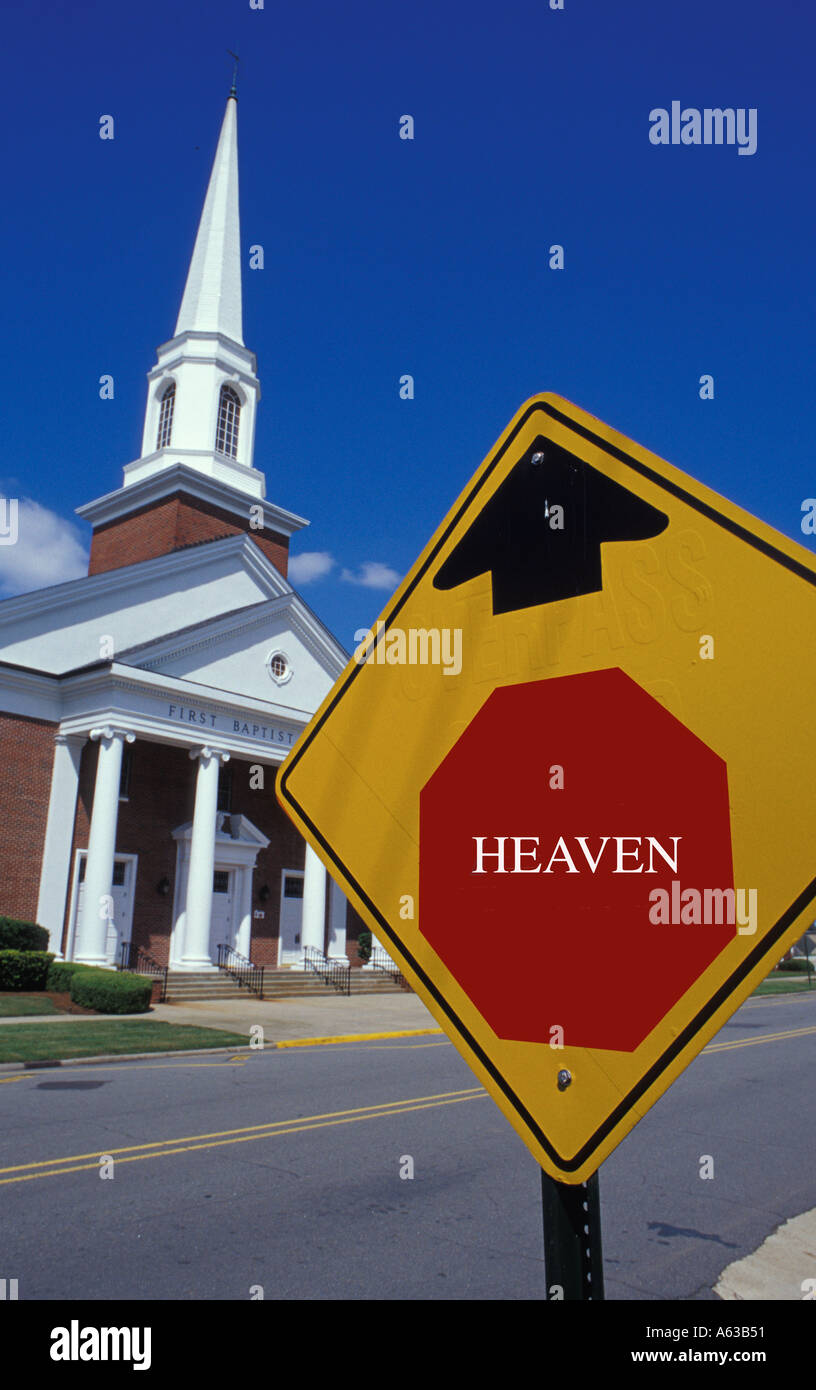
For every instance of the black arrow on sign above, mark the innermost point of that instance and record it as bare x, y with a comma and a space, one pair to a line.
541, 533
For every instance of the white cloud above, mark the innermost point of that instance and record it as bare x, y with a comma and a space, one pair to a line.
48, 549
310, 565
372, 575
316, 564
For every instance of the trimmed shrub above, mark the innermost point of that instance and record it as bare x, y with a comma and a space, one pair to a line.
22, 936
797, 963
24, 969
111, 991
365, 945
61, 974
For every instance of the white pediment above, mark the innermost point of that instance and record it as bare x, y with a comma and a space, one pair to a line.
230, 830
68, 626
236, 653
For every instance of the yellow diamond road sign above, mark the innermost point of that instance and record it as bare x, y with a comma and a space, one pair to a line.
567, 780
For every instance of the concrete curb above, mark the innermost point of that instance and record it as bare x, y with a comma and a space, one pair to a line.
119, 1057
237, 1049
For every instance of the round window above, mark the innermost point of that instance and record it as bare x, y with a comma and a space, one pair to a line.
277, 664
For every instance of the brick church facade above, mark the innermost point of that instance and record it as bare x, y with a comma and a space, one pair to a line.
145, 709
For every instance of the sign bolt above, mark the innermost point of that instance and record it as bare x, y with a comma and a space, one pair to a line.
564, 1079
538, 458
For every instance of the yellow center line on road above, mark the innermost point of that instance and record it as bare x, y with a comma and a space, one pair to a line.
729, 1046
163, 1148
791, 996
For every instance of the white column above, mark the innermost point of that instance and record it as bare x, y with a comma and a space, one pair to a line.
97, 900
198, 907
243, 908
179, 904
59, 834
338, 903
314, 902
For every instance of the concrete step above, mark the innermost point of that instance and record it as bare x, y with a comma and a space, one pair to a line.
312, 990
204, 998
367, 985
182, 996
185, 987
190, 987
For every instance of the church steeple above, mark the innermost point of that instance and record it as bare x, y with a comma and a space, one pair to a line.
212, 294
203, 393
195, 479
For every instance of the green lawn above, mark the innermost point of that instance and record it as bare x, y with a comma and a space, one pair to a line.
50, 1042
785, 983
18, 1005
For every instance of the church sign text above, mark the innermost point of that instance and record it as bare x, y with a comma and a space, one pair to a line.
266, 733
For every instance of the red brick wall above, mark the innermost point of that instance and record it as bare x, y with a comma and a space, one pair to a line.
26, 763
354, 925
171, 524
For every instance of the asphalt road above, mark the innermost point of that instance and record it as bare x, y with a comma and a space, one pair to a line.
282, 1170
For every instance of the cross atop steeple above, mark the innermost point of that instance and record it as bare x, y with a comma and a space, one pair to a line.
234, 87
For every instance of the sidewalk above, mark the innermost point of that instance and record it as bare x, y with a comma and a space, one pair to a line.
784, 1266
282, 1020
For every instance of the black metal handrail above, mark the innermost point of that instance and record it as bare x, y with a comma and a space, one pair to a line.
133, 958
331, 970
242, 970
378, 960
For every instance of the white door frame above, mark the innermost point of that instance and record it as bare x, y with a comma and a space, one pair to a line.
293, 873
235, 876
125, 928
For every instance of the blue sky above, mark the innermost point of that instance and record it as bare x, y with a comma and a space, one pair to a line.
430, 257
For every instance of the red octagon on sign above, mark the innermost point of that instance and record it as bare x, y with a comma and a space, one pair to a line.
509, 899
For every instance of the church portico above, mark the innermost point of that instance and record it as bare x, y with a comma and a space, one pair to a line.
207, 847
133, 748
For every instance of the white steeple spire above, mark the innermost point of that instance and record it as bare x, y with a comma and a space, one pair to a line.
212, 294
